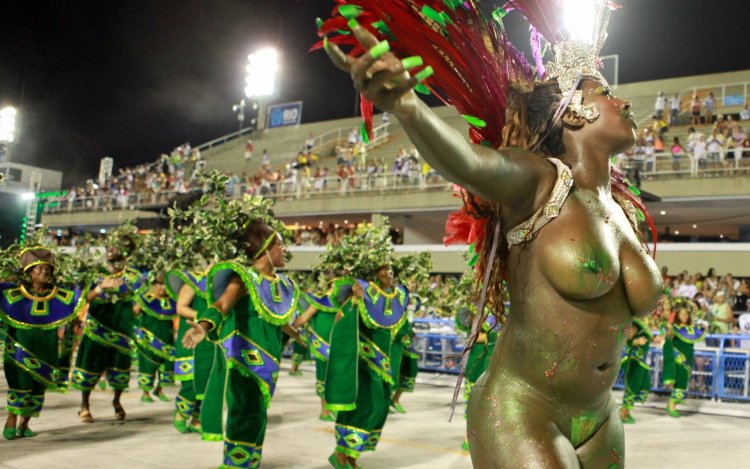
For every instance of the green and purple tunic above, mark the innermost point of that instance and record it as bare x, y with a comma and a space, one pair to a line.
358, 377
154, 336
317, 334
252, 340
31, 344
480, 353
404, 356
678, 358
195, 368
635, 366
107, 345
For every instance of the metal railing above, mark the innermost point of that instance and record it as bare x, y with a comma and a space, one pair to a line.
301, 185
727, 162
297, 187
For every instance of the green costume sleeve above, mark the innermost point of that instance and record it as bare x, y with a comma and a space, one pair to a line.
343, 362
214, 317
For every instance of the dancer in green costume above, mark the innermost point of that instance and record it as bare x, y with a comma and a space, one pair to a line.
414, 272
194, 367
480, 353
358, 377
106, 346
315, 325
252, 311
636, 368
678, 353
154, 336
32, 311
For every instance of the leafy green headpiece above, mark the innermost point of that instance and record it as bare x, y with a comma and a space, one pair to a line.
417, 268
210, 228
360, 254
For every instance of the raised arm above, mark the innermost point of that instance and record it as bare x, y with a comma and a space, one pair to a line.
384, 79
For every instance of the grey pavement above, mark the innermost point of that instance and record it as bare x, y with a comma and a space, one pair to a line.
712, 435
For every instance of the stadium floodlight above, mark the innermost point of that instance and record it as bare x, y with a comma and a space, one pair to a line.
261, 73
580, 19
7, 124
28, 196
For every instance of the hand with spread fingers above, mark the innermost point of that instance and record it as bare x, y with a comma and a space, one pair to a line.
378, 74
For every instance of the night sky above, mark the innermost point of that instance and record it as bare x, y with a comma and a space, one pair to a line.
132, 79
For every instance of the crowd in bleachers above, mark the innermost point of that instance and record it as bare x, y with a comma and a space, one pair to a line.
718, 298
724, 147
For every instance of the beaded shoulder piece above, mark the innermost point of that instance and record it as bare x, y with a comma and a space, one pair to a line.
526, 230
689, 334
274, 298
25, 310
159, 308
175, 279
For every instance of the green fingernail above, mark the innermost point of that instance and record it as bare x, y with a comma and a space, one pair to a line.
325, 43
411, 62
380, 49
352, 23
424, 74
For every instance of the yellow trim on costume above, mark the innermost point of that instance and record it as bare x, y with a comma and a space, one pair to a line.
36, 263
31, 297
376, 287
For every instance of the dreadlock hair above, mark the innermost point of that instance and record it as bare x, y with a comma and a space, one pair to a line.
528, 125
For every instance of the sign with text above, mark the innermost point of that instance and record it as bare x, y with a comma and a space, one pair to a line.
281, 115
734, 100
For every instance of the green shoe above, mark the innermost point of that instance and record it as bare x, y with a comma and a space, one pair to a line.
295, 373
147, 399
465, 445
398, 408
180, 424
195, 427
326, 418
163, 397
25, 433
673, 413
628, 419
9, 433
102, 384
336, 464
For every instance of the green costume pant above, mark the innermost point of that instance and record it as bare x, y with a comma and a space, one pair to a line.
299, 353
637, 376
678, 364
246, 422
409, 370
94, 359
320, 377
212, 408
25, 394
152, 364
360, 429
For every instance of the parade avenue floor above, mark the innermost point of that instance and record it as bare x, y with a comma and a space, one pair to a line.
716, 436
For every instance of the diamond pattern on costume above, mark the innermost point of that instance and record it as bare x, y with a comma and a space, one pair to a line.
351, 439
184, 407
239, 455
84, 380
118, 379
372, 440
145, 381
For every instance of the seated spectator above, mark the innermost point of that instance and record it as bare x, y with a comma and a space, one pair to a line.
745, 114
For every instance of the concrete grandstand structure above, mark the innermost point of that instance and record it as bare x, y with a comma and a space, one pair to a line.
689, 202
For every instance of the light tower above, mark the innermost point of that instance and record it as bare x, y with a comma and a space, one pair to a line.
260, 80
